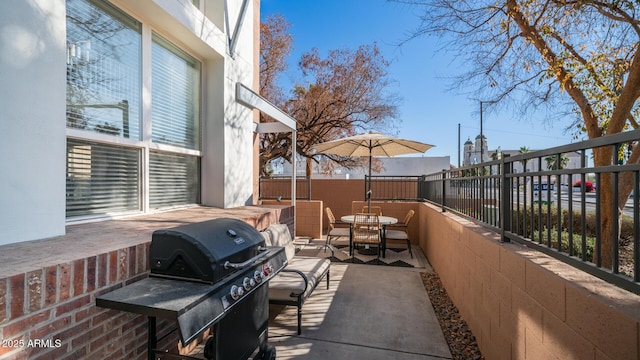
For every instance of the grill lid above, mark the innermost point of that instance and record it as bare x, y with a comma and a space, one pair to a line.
199, 251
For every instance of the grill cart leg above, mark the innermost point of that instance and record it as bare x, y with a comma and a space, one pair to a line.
269, 353
152, 340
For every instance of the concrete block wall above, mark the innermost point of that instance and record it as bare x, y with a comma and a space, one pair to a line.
309, 218
522, 304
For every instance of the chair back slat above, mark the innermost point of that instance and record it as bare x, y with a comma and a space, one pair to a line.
366, 228
374, 210
408, 217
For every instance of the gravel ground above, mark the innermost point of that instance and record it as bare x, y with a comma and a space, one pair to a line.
456, 332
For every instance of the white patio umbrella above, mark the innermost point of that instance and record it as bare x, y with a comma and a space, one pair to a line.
371, 144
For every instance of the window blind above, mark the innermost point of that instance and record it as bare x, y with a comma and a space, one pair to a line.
175, 111
174, 179
101, 178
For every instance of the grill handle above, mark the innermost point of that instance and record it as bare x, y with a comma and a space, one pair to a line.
243, 265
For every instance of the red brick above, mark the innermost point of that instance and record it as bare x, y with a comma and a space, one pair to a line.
85, 337
77, 354
113, 267
123, 264
147, 256
73, 305
91, 273
16, 288
116, 321
45, 331
105, 343
80, 315
101, 316
53, 353
64, 281
78, 277
140, 259
102, 271
13, 344
26, 323
3, 300
34, 290
51, 284
132, 261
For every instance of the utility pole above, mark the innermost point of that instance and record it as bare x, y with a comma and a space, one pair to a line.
458, 145
481, 136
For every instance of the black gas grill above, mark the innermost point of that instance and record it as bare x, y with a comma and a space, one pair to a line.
207, 275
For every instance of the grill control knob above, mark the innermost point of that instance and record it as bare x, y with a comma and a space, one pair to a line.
236, 292
258, 276
248, 283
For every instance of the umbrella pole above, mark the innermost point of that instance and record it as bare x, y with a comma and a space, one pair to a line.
369, 185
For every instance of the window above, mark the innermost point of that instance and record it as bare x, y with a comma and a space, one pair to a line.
103, 69
175, 96
101, 178
112, 165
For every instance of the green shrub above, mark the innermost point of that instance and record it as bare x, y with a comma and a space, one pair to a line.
590, 241
540, 220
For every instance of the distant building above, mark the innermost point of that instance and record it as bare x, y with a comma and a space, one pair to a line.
472, 152
472, 156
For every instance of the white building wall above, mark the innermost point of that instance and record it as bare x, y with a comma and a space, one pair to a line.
32, 94
32, 98
394, 166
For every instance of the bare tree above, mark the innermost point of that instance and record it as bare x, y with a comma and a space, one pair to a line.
338, 95
577, 55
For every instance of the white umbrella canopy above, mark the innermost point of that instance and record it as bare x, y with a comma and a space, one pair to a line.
371, 144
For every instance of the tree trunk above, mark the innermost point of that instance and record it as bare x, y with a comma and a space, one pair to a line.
309, 168
605, 187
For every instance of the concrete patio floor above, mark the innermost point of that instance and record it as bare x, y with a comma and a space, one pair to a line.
368, 312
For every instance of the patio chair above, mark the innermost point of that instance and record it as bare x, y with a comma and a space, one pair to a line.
400, 231
374, 210
366, 230
332, 230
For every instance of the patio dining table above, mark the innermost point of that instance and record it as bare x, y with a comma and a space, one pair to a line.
384, 221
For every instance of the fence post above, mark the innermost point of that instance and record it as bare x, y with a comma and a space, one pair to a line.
444, 189
506, 186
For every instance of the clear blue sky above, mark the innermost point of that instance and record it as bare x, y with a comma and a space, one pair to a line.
428, 112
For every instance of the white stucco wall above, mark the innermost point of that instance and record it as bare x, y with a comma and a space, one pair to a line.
32, 98
227, 166
32, 94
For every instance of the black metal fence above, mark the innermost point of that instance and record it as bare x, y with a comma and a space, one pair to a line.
394, 188
534, 199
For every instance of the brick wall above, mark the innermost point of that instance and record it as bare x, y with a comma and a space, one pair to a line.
55, 305
522, 304
48, 288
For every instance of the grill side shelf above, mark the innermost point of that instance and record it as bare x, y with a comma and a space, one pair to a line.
195, 306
